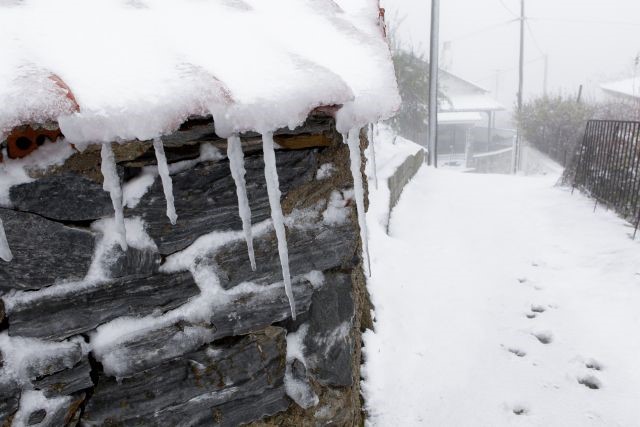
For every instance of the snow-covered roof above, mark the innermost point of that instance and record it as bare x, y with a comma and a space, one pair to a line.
470, 103
461, 95
629, 88
140, 68
459, 118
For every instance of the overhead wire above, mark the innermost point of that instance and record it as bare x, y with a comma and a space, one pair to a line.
533, 37
483, 30
585, 21
508, 9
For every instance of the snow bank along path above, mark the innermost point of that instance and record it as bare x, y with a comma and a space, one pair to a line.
502, 301
167, 63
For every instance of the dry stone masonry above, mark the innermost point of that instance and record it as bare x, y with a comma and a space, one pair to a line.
179, 330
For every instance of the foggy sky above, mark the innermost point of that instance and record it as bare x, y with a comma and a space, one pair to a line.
579, 52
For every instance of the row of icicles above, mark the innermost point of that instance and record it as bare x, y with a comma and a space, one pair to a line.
236, 162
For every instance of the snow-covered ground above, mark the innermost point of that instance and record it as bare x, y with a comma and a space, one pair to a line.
501, 301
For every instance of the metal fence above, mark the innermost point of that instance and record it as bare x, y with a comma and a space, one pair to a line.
608, 166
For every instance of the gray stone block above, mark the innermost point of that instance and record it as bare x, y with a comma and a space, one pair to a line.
329, 347
65, 197
67, 381
59, 316
206, 201
9, 400
132, 262
317, 247
43, 252
243, 313
213, 379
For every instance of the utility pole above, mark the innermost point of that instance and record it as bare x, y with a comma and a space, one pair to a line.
433, 83
579, 99
516, 163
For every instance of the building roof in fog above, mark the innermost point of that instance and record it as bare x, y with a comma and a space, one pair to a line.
627, 88
461, 95
456, 118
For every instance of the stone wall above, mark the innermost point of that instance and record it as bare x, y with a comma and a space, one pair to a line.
179, 330
402, 176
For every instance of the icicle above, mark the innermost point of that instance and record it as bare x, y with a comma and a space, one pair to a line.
236, 163
167, 184
5, 251
373, 155
112, 185
353, 140
273, 189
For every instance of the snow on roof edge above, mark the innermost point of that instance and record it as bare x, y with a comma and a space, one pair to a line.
626, 87
155, 74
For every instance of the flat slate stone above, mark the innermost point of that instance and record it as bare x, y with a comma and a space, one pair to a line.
67, 381
132, 262
328, 343
215, 378
65, 197
206, 200
244, 313
202, 412
59, 316
202, 129
9, 400
317, 247
43, 252
55, 360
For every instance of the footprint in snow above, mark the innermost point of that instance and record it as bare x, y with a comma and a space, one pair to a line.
520, 410
517, 352
535, 310
593, 364
525, 281
544, 337
538, 309
590, 382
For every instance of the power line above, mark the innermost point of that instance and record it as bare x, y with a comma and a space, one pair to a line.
585, 21
483, 30
533, 37
515, 15
503, 70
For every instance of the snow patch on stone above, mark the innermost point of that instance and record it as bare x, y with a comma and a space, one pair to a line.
35, 400
16, 171
296, 388
337, 211
325, 171
134, 190
23, 359
316, 278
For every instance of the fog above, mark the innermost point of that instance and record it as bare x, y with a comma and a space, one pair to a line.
587, 42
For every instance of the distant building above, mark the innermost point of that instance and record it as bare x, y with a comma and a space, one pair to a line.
462, 112
627, 89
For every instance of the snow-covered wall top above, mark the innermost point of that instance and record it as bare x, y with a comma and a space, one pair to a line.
139, 68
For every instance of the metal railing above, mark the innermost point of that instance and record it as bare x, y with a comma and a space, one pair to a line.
608, 166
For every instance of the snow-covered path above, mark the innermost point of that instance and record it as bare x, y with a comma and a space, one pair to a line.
502, 301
